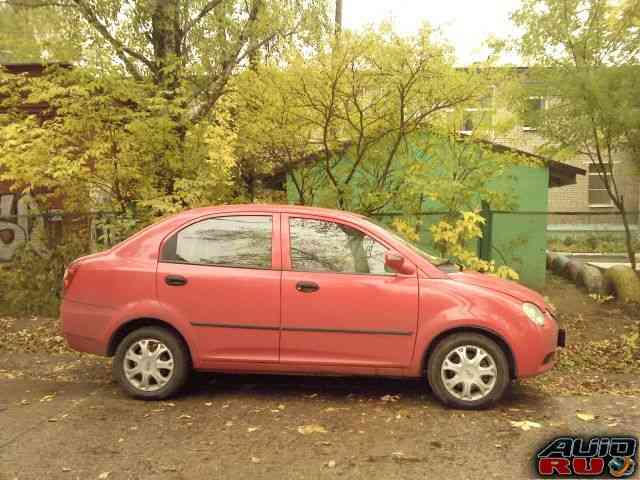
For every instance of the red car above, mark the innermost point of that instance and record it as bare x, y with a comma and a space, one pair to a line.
299, 290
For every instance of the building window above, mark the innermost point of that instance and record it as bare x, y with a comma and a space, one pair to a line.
474, 118
598, 195
478, 115
533, 113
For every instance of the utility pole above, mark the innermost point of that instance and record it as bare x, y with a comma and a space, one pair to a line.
338, 17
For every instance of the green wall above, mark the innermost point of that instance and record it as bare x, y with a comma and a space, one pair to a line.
519, 238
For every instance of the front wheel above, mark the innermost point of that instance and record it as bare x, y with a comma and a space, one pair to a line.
468, 371
151, 363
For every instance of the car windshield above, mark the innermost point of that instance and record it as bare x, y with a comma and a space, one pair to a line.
430, 257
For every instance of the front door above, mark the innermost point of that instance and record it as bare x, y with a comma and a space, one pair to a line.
223, 275
340, 306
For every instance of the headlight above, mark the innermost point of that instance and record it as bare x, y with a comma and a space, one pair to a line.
534, 313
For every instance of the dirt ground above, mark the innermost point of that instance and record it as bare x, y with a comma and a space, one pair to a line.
61, 417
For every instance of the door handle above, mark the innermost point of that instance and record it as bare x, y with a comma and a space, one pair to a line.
175, 280
307, 287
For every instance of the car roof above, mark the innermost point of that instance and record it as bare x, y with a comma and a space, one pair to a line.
275, 208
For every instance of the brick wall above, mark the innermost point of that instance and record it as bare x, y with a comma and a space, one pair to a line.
575, 198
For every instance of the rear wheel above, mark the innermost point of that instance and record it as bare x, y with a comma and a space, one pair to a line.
468, 370
151, 363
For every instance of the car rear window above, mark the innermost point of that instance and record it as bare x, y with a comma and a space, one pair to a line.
239, 241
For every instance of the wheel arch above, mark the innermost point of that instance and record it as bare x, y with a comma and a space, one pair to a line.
471, 329
134, 324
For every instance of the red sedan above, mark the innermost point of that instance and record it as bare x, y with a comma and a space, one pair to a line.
299, 290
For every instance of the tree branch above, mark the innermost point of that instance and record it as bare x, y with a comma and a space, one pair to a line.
203, 13
121, 49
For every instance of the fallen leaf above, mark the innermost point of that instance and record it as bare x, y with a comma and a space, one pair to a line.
586, 417
309, 429
255, 460
252, 429
208, 404
104, 475
331, 464
390, 398
402, 457
525, 425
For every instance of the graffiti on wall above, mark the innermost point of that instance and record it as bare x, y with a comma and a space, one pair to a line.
20, 222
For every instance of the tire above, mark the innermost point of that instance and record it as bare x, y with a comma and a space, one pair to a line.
166, 374
450, 350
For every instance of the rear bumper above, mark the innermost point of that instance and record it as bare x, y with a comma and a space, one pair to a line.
84, 327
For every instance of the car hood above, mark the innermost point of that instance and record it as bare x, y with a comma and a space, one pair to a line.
505, 287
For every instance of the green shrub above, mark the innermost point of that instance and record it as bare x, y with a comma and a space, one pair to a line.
31, 283
592, 242
622, 282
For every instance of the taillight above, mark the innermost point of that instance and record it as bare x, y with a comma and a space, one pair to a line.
69, 273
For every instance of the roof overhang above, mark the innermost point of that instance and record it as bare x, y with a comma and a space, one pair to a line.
32, 69
560, 174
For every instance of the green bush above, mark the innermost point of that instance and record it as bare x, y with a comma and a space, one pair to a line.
622, 282
32, 283
592, 243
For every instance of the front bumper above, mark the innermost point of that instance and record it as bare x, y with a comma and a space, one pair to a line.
542, 343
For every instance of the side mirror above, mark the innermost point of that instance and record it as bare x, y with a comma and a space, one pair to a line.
397, 263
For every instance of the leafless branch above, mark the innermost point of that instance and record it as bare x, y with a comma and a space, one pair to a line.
210, 6
124, 53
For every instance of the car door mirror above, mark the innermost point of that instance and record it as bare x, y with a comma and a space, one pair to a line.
397, 263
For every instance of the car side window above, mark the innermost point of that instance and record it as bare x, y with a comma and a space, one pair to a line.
322, 246
240, 241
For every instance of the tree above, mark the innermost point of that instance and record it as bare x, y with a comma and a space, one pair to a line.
365, 124
585, 56
360, 101
184, 53
109, 143
338, 20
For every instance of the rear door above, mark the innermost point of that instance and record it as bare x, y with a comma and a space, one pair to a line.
223, 275
340, 306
